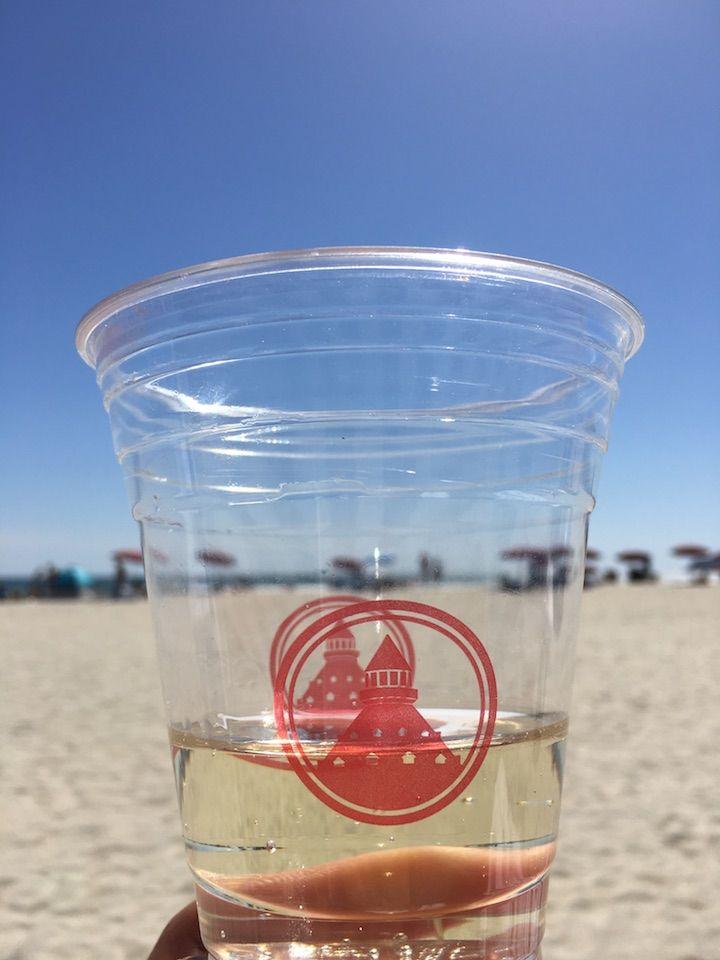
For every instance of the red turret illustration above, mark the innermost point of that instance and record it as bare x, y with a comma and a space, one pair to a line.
388, 756
333, 695
338, 683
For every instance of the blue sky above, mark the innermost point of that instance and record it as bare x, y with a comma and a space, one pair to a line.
143, 136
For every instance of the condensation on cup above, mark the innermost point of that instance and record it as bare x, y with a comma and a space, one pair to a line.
363, 478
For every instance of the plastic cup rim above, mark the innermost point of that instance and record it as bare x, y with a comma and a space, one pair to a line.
442, 260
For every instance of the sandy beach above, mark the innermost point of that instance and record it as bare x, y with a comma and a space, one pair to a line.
93, 864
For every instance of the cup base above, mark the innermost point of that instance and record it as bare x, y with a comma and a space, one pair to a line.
418, 950
510, 930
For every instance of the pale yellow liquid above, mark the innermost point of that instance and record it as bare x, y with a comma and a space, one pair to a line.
276, 867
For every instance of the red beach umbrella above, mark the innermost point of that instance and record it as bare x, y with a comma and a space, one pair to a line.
559, 551
128, 556
524, 553
346, 563
633, 556
690, 550
215, 558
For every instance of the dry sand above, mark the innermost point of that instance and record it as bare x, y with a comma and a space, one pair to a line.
92, 865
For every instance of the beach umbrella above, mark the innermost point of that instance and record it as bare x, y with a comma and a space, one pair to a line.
591, 554
346, 563
514, 553
70, 582
639, 564
128, 556
696, 554
633, 556
79, 575
215, 558
347, 570
691, 551
537, 563
559, 551
524, 553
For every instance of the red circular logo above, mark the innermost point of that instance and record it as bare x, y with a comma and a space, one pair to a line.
362, 746
326, 710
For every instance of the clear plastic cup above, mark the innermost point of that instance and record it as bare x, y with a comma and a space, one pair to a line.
363, 478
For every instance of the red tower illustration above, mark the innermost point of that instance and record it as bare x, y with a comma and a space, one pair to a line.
333, 695
388, 757
338, 683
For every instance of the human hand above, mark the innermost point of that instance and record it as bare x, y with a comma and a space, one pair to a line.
180, 940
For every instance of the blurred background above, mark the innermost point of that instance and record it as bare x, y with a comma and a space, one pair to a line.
143, 137
146, 137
